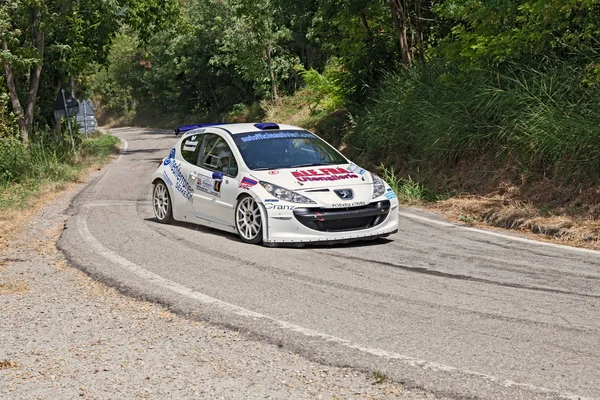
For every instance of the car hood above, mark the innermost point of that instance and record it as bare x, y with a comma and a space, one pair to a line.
306, 178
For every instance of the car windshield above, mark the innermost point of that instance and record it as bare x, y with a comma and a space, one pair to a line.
285, 149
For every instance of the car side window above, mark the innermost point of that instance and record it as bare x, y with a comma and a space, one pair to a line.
189, 148
216, 155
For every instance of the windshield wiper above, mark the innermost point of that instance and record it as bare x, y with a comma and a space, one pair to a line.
313, 164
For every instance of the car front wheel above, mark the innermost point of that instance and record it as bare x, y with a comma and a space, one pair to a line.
161, 201
248, 220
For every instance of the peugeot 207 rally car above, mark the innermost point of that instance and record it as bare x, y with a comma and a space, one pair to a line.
269, 183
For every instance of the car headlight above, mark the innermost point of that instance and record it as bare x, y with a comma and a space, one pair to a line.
284, 194
378, 186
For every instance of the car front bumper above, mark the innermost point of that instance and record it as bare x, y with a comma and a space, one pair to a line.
316, 225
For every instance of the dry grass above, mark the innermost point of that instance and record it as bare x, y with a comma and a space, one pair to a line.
501, 212
11, 220
13, 287
293, 110
6, 364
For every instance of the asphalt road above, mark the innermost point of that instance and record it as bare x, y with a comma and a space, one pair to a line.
456, 311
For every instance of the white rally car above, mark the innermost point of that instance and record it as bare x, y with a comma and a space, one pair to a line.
269, 183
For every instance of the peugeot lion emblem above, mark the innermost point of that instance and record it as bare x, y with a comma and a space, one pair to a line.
344, 194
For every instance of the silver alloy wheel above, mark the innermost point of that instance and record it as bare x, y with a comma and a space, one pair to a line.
248, 220
161, 202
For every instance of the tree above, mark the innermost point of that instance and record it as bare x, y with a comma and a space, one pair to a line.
32, 64
486, 33
410, 29
360, 34
252, 41
64, 37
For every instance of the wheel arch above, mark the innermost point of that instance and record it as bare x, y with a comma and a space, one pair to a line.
246, 194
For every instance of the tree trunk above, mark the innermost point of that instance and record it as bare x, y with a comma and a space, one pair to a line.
58, 120
399, 15
14, 98
365, 22
419, 29
38, 36
274, 94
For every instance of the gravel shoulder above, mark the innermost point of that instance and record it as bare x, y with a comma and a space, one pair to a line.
67, 336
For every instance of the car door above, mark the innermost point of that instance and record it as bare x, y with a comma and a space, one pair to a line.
180, 168
215, 181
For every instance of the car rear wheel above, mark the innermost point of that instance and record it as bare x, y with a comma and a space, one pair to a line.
161, 201
248, 221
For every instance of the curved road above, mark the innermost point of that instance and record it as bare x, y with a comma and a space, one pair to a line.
456, 311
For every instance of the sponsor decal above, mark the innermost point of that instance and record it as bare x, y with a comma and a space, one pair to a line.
171, 157
191, 144
277, 135
182, 185
210, 184
390, 195
271, 206
194, 132
352, 204
167, 179
356, 169
271, 201
323, 174
275, 172
247, 183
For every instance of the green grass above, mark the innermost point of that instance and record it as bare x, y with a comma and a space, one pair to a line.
48, 161
542, 121
101, 147
408, 190
379, 377
467, 219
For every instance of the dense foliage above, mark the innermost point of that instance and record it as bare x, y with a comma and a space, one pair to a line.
49, 44
423, 84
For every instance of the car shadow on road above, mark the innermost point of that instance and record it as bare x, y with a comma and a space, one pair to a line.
235, 238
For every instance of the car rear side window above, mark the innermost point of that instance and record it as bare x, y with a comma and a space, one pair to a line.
189, 148
217, 156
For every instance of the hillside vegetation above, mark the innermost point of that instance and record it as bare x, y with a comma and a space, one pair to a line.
445, 98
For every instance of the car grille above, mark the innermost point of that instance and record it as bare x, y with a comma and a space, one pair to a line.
343, 219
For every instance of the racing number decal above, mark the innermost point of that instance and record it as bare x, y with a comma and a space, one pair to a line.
210, 184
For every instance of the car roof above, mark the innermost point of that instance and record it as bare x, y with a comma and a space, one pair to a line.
239, 127
250, 127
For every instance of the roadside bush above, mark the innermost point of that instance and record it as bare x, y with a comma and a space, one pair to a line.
542, 120
331, 88
15, 160
49, 157
8, 122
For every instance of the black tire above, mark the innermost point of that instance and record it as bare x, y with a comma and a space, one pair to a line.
161, 203
248, 220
